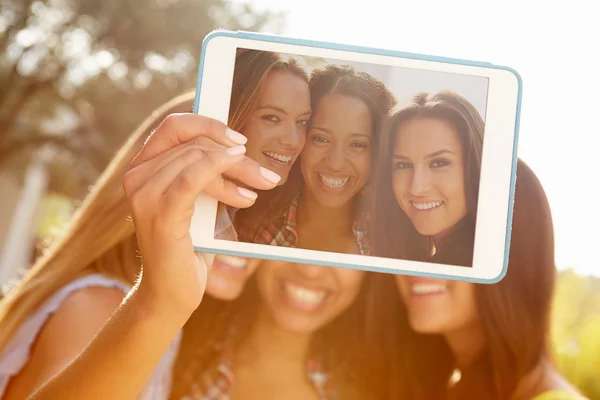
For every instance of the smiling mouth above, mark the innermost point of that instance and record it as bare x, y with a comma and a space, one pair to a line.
431, 205
278, 158
304, 298
333, 182
231, 266
234, 262
421, 289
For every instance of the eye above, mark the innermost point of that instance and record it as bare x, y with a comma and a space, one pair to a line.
319, 139
303, 122
402, 165
271, 118
440, 163
360, 145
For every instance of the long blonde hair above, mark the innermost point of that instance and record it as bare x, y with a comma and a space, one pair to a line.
100, 237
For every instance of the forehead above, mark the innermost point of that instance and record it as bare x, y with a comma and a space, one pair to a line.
343, 113
420, 136
284, 87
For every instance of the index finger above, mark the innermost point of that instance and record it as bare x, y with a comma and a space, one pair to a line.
180, 128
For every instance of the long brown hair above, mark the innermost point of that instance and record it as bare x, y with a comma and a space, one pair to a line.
393, 233
251, 70
514, 313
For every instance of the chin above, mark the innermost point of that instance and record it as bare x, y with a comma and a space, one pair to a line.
300, 326
425, 328
425, 230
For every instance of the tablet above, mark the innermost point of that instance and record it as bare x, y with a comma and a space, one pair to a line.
408, 161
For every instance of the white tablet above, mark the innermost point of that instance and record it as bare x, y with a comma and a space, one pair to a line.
406, 162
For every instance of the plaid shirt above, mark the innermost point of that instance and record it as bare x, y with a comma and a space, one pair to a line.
217, 383
224, 229
282, 231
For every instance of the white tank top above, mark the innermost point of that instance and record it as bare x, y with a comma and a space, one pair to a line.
16, 354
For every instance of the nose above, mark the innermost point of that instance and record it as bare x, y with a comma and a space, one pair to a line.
336, 158
421, 182
292, 137
310, 271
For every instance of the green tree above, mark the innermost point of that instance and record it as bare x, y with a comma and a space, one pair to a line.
576, 331
80, 74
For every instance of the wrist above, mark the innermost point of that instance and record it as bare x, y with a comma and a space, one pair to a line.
153, 307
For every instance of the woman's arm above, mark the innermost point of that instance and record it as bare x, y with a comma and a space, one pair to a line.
188, 154
117, 360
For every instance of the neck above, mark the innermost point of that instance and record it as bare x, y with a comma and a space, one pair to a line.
313, 216
268, 347
466, 344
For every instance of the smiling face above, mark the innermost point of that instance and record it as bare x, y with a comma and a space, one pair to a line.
276, 129
428, 175
336, 161
437, 306
304, 298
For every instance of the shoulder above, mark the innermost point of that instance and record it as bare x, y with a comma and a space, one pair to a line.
556, 387
76, 321
64, 334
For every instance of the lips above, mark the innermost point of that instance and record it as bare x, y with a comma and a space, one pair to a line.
333, 182
428, 288
303, 298
278, 158
426, 206
230, 265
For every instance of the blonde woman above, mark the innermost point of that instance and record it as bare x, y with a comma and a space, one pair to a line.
69, 313
270, 106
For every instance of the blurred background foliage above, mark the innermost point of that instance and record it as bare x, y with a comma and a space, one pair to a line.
79, 75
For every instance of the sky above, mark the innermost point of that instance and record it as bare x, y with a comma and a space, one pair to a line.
554, 47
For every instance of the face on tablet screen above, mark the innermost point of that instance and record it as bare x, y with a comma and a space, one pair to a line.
386, 164
366, 153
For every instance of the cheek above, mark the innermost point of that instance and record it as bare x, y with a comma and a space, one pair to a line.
265, 282
311, 155
362, 164
402, 285
465, 305
350, 284
453, 187
398, 186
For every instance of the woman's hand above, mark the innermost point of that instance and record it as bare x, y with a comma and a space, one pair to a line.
187, 154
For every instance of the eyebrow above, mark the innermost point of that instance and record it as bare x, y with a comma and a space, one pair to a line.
327, 130
281, 110
431, 155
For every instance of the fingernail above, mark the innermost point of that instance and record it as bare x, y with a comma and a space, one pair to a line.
249, 194
269, 175
235, 137
236, 150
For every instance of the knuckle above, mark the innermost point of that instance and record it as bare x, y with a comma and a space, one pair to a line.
216, 127
194, 154
138, 203
185, 180
171, 121
129, 183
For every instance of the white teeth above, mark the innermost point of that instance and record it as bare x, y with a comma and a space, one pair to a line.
303, 295
236, 262
428, 288
278, 157
333, 183
427, 206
